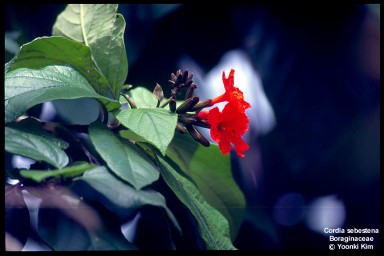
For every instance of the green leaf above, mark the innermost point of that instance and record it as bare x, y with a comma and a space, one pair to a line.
33, 126
156, 125
212, 225
102, 29
123, 199
34, 146
130, 135
25, 88
68, 172
112, 57
211, 171
122, 157
46, 51
142, 97
8, 65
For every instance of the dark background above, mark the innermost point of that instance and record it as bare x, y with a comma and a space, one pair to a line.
320, 69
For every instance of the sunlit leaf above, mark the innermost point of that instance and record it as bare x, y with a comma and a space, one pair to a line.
122, 157
142, 97
102, 29
157, 125
25, 88
46, 51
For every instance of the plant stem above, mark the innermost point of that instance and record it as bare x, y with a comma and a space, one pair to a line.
167, 102
129, 100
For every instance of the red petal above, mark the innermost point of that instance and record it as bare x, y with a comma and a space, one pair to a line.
229, 82
237, 96
240, 146
214, 118
225, 146
235, 119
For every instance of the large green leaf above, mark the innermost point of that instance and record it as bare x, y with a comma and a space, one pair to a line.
25, 88
34, 146
142, 97
211, 171
122, 157
33, 126
155, 125
8, 65
46, 51
102, 29
68, 172
212, 225
123, 200
130, 135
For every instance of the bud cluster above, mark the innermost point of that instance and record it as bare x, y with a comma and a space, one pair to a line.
188, 110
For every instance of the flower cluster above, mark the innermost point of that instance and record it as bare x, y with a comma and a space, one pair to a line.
226, 127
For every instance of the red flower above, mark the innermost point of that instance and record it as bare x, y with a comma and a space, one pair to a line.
232, 93
227, 127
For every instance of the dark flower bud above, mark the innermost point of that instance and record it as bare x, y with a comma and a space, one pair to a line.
185, 75
187, 119
188, 83
190, 90
187, 105
179, 79
202, 123
173, 77
180, 128
196, 135
172, 105
202, 104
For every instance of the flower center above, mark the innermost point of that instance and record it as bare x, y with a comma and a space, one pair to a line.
221, 127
